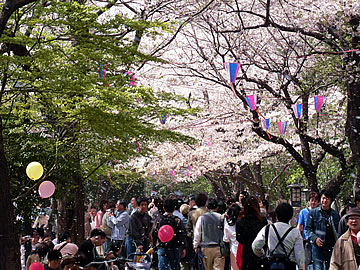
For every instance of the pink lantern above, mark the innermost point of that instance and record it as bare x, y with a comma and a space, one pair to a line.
36, 266
166, 233
46, 189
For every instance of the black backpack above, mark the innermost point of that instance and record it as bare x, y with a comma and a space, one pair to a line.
278, 261
170, 220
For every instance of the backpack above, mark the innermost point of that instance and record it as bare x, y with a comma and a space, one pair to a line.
170, 220
278, 261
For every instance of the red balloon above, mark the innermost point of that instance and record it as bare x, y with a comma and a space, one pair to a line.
166, 233
36, 266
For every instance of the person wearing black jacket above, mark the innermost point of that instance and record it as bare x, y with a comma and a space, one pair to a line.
169, 253
54, 260
87, 250
139, 228
247, 228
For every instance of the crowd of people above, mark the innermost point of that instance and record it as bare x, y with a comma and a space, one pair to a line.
210, 234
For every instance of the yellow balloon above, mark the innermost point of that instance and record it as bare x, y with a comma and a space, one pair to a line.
34, 170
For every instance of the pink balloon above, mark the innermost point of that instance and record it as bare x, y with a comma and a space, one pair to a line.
166, 233
36, 266
46, 189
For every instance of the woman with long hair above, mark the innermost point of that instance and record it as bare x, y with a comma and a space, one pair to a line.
232, 216
247, 228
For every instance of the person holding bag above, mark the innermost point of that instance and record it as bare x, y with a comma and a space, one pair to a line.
232, 216
247, 228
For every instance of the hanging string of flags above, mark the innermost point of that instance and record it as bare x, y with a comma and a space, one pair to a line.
207, 142
252, 102
232, 70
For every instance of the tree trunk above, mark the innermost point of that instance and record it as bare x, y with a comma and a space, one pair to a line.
310, 176
71, 209
9, 239
218, 190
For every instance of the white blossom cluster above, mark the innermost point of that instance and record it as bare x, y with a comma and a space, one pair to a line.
195, 70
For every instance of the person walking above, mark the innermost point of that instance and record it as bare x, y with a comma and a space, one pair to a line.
169, 253
280, 239
321, 228
342, 228
54, 260
314, 200
208, 235
139, 232
232, 215
247, 228
346, 252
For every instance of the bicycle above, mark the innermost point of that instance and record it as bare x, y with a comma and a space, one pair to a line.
139, 260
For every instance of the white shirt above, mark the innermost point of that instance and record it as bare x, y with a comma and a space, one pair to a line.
197, 233
230, 236
293, 239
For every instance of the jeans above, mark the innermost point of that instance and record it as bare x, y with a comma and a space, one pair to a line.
169, 258
107, 245
321, 258
130, 247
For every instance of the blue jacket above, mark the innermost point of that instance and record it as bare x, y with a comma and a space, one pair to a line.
316, 224
119, 224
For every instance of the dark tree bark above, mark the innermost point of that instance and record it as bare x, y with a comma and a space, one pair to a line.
353, 95
9, 238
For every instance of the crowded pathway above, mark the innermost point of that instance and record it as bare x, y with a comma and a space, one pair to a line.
203, 233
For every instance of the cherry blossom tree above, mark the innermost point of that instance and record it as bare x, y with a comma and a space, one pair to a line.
288, 53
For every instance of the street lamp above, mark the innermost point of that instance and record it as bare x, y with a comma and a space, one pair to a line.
305, 194
295, 194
